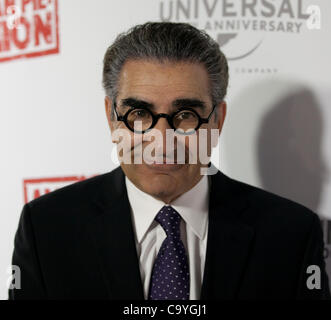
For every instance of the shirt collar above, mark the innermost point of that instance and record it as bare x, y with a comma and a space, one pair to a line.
192, 206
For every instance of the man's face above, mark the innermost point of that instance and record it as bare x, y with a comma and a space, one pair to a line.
160, 86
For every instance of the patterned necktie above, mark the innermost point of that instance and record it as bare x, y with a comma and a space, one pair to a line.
170, 276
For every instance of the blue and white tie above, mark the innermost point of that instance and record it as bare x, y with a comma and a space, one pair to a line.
170, 278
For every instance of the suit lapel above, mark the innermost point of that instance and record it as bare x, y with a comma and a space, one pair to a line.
228, 244
112, 233
229, 240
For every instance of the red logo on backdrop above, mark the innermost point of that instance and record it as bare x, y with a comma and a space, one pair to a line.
34, 188
28, 28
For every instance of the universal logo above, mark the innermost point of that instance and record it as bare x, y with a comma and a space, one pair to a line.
230, 21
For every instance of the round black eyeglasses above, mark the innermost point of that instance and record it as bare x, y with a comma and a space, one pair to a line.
184, 121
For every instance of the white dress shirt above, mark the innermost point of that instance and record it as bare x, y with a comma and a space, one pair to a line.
193, 207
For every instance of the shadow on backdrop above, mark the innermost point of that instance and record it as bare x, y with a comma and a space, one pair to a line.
290, 159
289, 148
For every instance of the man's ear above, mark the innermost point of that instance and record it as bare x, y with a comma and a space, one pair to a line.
218, 122
108, 109
221, 112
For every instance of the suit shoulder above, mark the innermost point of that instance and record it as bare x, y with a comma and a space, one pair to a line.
75, 196
274, 208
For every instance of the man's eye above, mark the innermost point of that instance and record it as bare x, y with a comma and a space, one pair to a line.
140, 113
186, 115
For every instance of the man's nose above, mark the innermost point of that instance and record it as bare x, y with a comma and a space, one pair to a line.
162, 124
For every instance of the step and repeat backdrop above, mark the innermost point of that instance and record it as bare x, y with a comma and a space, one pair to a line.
53, 127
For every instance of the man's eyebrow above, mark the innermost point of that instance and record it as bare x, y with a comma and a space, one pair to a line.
193, 103
136, 103
178, 103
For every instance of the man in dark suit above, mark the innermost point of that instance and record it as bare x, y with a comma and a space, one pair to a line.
158, 229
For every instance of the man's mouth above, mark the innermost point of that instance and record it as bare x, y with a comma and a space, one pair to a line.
163, 163
163, 160
165, 166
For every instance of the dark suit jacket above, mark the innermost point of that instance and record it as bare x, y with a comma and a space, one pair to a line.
78, 243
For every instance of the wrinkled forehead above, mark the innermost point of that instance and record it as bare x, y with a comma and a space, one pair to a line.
161, 83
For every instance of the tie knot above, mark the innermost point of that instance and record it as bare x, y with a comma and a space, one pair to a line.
169, 219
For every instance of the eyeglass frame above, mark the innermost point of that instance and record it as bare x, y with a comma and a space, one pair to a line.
156, 117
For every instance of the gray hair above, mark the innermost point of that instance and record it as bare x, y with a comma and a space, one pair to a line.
166, 41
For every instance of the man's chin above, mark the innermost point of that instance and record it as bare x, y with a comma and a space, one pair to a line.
161, 187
